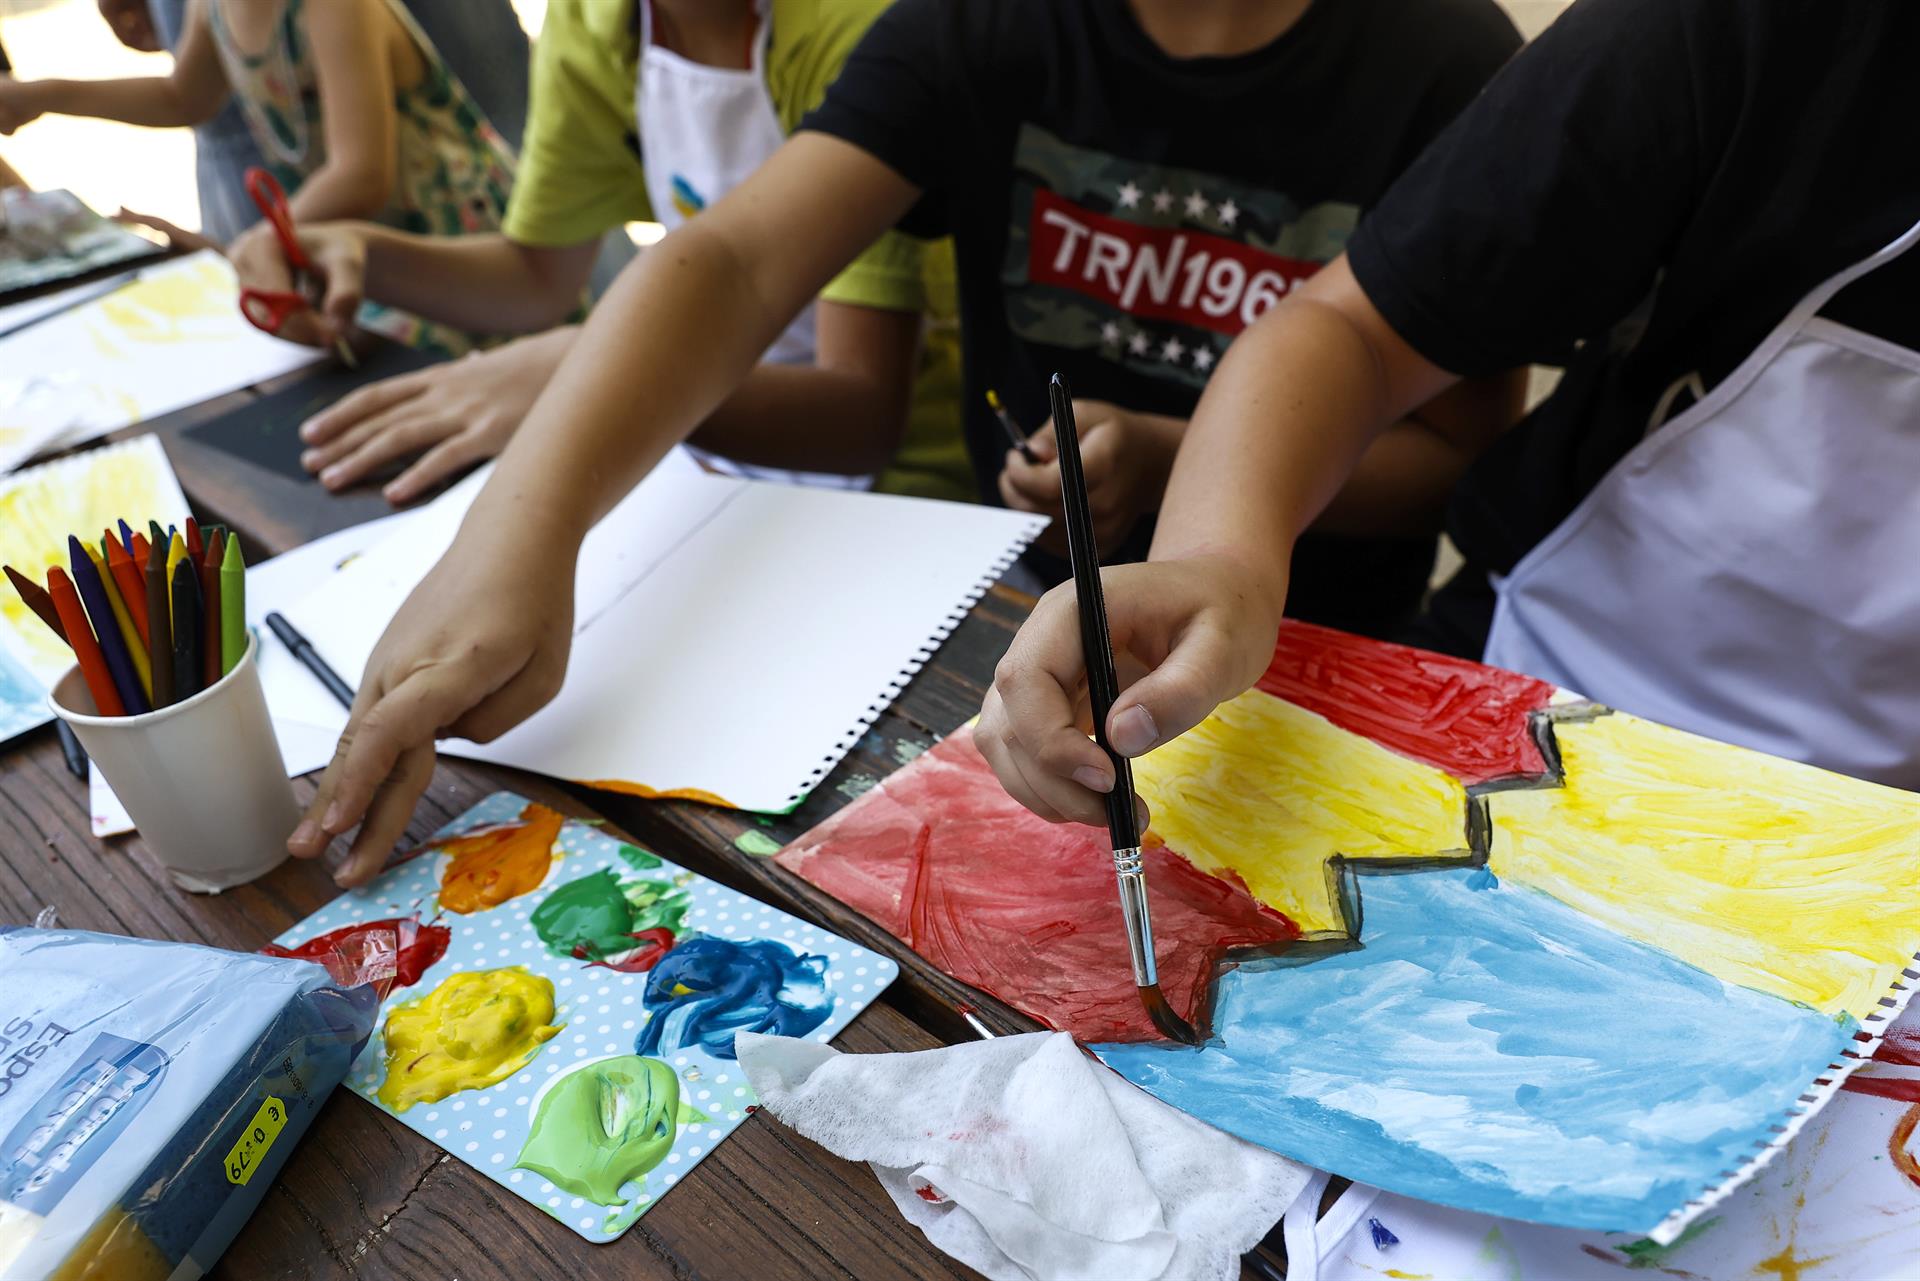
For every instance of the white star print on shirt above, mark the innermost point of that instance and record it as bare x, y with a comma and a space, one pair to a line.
1110, 334
1229, 213
1203, 358
1196, 205
1137, 344
1172, 350
1162, 200
1129, 195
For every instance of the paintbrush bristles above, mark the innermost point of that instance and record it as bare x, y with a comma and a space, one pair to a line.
1160, 1010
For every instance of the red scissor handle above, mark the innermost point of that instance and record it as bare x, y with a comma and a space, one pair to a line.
272, 200
267, 309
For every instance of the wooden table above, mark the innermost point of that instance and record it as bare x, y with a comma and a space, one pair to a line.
364, 1196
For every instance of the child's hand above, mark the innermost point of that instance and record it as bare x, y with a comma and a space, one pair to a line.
338, 252
18, 104
479, 646
453, 415
1193, 633
1126, 457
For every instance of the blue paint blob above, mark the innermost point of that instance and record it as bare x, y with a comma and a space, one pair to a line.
1382, 1234
706, 989
1483, 879
1494, 1050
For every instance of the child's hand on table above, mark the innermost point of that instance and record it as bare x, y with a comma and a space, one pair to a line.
338, 252
479, 646
453, 415
1187, 635
1127, 457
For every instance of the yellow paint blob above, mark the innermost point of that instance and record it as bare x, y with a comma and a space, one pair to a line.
474, 1030
163, 306
1762, 872
1272, 791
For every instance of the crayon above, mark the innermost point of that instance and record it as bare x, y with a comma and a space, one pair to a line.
126, 537
160, 630
93, 594
176, 552
195, 547
156, 535
233, 607
37, 600
123, 623
140, 552
186, 631
133, 591
106, 541
93, 664
210, 609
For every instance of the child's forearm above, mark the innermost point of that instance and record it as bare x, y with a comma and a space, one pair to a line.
804, 419
156, 102
483, 283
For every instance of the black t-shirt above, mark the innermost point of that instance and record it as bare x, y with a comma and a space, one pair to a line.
1641, 195
1120, 214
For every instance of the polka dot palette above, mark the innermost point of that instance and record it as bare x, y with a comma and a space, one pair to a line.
565, 1006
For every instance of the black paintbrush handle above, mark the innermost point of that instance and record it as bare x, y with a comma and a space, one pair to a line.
1103, 680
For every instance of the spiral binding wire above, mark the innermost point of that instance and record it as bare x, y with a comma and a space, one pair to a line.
891, 690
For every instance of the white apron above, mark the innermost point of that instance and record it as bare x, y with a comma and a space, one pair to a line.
1751, 570
703, 130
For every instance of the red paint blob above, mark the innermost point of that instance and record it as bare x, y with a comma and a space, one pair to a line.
941, 857
1462, 718
655, 944
390, 953
927, 1192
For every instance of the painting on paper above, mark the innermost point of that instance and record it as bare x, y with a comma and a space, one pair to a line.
48, 236
1452, 932
560, 1006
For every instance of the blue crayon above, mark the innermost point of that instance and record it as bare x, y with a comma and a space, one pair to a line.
93, 595
126, 536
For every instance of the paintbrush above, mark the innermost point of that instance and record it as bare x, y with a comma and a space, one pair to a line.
1103, 687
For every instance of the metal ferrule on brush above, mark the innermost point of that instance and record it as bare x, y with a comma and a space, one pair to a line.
1132, 874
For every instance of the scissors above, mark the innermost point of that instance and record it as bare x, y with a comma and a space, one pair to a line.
267, 309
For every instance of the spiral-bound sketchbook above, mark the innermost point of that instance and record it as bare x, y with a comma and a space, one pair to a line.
731, 639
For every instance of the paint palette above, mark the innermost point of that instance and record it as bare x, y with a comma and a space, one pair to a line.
564, 1005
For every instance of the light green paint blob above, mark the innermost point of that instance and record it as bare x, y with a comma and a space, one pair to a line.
603, 1126
857, 786
755, 843
1495, 1250
906, 751
623, 1217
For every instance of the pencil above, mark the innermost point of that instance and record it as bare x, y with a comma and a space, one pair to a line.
93, 594
37, 600
233, 607
1015, 436
123, 623
160, 630
133, 592
210, 610
310, 659
1103, 688
93, 664
186, 631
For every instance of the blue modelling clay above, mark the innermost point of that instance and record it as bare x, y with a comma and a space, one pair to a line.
150, 1092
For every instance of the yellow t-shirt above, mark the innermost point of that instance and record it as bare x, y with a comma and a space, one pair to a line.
580, 177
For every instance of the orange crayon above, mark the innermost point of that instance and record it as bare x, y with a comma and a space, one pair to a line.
93, 663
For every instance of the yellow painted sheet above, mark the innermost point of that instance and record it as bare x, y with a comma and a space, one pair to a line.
1762, 872
1272, 791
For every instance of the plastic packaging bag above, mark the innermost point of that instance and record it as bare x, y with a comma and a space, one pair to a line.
149, 1093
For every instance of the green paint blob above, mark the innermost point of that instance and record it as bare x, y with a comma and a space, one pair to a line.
756, 843
603, 1126
597, 915
1646, 1253
637, 858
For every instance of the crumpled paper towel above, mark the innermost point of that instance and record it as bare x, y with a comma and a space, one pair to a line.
1025, 1159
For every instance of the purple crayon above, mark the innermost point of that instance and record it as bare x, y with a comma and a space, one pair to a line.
93, 595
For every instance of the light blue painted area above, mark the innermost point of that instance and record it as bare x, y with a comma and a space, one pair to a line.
22, 699
1490, 1048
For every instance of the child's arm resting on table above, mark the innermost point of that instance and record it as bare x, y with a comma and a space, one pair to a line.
1283, 424
192, 94
482, 643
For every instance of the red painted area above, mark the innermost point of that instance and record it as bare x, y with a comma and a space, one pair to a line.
1463, 718
942, 858
390, 953
654, 944
1900, 1046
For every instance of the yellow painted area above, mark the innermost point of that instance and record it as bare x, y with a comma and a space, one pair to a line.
1272, 791
476, 1029
1762, 872
165, 306
82, 495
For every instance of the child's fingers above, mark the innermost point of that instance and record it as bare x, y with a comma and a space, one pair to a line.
526, 692
454, 454
361, 405
401, 436
387, 817
1026, 486
403, 719
1196, 677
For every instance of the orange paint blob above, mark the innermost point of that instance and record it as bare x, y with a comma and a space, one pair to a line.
498, 861
1903, 1160
1787, 1265
646, 793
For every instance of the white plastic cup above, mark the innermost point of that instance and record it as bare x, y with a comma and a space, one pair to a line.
203, 779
